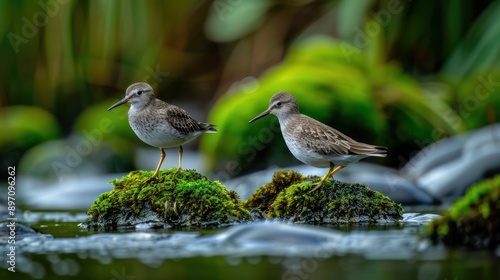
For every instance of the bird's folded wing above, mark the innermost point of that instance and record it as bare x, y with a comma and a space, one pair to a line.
325, 141
182, 121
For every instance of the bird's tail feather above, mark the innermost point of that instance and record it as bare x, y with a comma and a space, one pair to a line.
209, 128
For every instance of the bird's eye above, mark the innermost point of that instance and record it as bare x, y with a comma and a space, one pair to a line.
139, 92
278, 104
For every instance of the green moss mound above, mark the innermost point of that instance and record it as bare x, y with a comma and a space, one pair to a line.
472, 221
288, 197
265, 195
183, 199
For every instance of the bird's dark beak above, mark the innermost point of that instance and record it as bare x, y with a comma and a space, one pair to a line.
121, 102
263, 114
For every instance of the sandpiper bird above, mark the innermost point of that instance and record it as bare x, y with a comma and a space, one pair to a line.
315, 143
158, 123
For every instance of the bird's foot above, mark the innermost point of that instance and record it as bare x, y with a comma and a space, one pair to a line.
152, 178
320, 184
317, 186
177, 170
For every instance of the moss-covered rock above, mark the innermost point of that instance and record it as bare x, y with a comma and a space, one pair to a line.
183, 199
473, 220
260, 201
288, 197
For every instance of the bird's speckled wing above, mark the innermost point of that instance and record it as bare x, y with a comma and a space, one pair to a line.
326, 140
182, 121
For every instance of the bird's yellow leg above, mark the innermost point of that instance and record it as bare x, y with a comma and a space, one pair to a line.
162, 157
324, 178
180, 159
336, 170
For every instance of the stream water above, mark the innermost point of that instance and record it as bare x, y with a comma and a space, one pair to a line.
61, 248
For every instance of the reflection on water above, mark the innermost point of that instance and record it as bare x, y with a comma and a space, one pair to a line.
269, 250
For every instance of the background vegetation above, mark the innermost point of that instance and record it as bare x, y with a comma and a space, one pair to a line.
425, 70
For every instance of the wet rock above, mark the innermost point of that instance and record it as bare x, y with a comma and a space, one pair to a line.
288, 197
433, 156
446, 169
69, 193
182, 199
379, 178
418, 219
293, 240
21, 231
75, 156
276, 233
473, 220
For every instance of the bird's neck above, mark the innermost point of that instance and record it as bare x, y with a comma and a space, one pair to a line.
141, 104
285, 118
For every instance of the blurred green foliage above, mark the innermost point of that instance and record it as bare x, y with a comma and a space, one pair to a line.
65, 56
107, 126
477, 100
23, 127
478, 50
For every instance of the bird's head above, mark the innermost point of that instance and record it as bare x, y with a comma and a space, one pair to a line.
280, 105
138, 95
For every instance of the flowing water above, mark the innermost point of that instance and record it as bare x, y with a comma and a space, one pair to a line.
61, 248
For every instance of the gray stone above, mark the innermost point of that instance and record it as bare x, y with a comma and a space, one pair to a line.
447, 168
